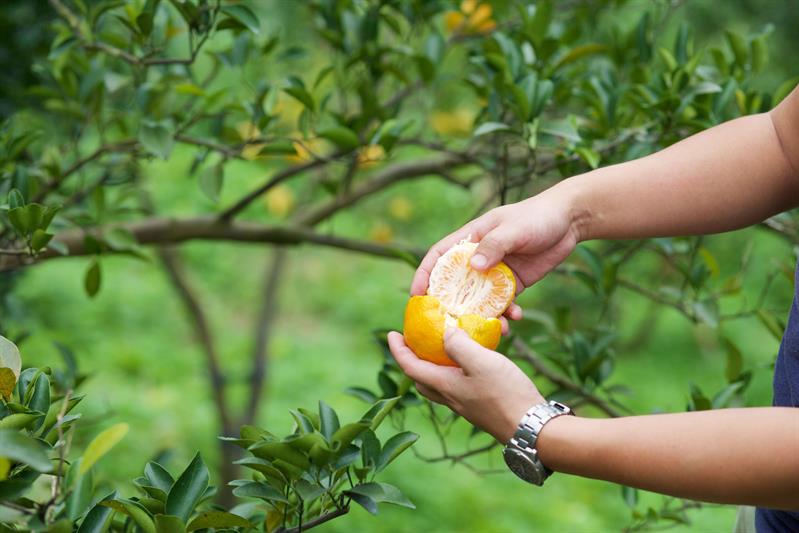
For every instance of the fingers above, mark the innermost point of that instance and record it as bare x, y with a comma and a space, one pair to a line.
422, 276
504, 324
493, 247
513, 312
430, 394
419, 370
476, 228
470, 355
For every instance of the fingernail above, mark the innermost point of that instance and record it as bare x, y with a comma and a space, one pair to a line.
479, 261
449, 332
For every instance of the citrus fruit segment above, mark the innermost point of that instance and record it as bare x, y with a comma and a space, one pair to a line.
426, 321
465, 291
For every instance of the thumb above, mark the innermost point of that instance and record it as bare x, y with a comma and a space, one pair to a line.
464, 350
492, 248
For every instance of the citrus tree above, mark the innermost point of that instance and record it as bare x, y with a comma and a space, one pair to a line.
502, 99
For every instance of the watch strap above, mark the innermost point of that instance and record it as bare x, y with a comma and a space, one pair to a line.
526, 435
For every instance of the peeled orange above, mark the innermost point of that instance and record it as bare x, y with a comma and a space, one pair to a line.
458, 296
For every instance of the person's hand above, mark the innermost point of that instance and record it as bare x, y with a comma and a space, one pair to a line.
488, 389
532, 237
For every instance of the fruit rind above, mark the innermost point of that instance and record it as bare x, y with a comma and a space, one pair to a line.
425, 325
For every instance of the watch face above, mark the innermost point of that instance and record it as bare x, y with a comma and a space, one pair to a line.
523, 466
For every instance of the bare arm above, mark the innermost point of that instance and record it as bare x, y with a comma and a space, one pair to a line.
724, 178
739, 456
727, 177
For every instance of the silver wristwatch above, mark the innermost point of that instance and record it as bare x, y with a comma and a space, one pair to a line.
520, 453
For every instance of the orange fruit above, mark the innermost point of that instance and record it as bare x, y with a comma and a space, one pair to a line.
458, 296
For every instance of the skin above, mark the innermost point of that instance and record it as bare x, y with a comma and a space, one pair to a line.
728, 177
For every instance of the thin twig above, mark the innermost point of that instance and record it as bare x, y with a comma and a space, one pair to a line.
526, 353
316, 521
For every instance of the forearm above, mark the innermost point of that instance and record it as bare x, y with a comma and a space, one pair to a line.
738, 456
724, 178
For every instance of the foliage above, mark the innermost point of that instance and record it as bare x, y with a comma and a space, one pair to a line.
303, 475
518, 94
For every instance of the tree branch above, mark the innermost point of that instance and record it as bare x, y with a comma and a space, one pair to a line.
164, 231
263, 329
280, 177
202, 330
384, 178
316, 521
527, 354
53, 185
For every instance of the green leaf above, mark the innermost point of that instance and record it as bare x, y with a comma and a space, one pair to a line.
342, 137
362, 394
381, 493
297, 89
773, 325
98, 518
394, 447
308, 491
630, 496
364, 501
278, 148
346, 433
93, 278
490, 127
244, 15
40, 394
20, 448
18, 420
39, 239
158, 476
15, 199
375, 415
668, 59
734, 360
280, 450
218, 520
370, 448
329, 420
81, 493
272, 474
157, 137
738, 46
169, 524
188, 489
211, 181
101, 445
255, 489
580, 52
135, 511
589, 155
759, 53
699, 402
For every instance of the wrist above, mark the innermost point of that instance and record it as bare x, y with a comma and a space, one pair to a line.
576, 198
562, 442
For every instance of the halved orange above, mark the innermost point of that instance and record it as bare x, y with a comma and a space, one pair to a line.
458, 296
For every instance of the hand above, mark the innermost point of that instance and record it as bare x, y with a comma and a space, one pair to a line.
532, 237
488, 389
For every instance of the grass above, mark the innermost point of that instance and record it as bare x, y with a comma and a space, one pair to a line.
146, 369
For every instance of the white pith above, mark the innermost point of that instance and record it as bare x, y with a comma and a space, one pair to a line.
474, 288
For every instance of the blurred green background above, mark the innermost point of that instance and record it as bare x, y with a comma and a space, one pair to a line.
147, 370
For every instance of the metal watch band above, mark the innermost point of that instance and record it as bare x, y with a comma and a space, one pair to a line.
526, 435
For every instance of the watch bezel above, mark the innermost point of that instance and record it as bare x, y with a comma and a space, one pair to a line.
520, 453
523, 466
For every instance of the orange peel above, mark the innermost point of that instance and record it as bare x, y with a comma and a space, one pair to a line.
458, 296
